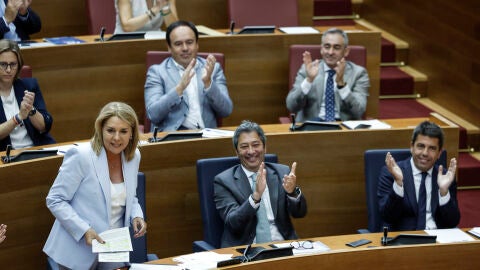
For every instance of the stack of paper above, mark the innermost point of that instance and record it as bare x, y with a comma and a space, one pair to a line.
450, 235
117, 246
215, 133
201, 260
475, 231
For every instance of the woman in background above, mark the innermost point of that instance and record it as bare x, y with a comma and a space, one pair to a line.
24, 119
95, 190
144, 15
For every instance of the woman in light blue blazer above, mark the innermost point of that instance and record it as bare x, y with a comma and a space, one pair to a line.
95, 190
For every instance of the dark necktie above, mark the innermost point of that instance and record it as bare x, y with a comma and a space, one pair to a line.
330, 98
422, 203
263, 225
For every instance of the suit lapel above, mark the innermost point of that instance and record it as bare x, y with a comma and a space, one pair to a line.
242, 183
273, 189
434, 192
320, 83
100, 165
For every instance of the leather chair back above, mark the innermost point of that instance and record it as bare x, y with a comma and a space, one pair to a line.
263, 12
100, 13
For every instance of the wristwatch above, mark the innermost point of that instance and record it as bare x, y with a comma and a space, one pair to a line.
295, 192
33, 111
341, 86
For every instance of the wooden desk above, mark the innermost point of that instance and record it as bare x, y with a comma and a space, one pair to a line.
78, 80
330, 167
369, 257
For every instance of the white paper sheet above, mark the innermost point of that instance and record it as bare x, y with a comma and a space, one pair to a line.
299, 30
115, 240
450, 235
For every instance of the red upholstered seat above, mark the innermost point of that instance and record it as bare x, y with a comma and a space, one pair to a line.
26, 72
100, 13
332, 8
156, 57
263, 12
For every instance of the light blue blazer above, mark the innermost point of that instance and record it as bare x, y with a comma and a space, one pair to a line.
168, 111
80, 198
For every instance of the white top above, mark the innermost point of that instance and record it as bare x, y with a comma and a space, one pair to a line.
194, 118
118, 196
19, 136
139, 7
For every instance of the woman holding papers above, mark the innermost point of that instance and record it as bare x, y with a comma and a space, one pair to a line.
144, 15
24, 119
95, 190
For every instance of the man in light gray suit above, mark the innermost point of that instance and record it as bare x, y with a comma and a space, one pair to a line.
186, 91
351, 82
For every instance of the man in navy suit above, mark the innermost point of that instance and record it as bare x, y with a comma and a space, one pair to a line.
18, 21
242, 192
186, 91
400, 185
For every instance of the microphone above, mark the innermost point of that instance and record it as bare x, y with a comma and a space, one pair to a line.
154, 138
245, 253
292, 118
102, 33
232, 27
384, 238
7, 157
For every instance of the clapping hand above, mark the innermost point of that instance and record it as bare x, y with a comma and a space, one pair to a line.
445, 180
208, 70
311, 67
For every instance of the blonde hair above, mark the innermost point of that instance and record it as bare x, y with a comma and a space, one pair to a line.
7, 45
125, 113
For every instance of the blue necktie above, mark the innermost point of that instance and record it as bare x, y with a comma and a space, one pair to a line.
422, 203
330, 98
263, 225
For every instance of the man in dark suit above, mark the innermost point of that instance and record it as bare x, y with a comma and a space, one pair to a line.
255, 199
416, 194
18, 20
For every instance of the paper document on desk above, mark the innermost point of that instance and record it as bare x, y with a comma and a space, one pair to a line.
366, 124
215, 133
475, 231
202, 29
318, 247
450, 235
155, 35
201, 260
299, 30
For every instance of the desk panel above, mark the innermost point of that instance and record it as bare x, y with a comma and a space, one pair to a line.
330, 172
369, 257
77, 80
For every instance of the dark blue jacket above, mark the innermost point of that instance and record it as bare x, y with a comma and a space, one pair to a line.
19, 86
24, 29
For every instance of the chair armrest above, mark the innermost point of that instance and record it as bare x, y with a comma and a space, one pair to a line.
152, 257
199, 246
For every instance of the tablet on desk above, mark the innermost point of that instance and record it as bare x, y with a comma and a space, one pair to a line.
263, 29
126, 36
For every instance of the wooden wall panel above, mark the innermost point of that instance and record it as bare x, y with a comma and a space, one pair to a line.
444, 43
